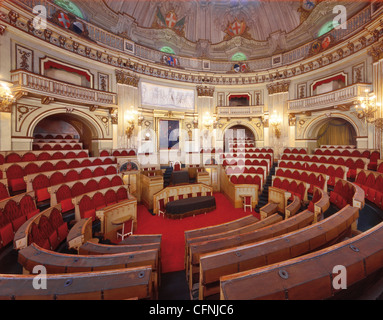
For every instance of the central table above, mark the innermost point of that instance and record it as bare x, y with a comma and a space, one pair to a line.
189, 207
180, 177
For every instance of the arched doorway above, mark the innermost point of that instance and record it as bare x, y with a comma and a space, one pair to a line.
336, 131
239, 132
67, 124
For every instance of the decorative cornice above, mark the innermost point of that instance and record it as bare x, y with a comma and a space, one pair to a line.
376, 51
2, 29
279, 87
124, 77
205, 91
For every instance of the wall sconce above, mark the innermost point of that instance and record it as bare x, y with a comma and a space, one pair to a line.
275, 121
6, 96
130, 117
367, 108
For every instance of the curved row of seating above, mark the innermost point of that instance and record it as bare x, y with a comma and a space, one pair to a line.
54, 136
29, 156
352, 163
47, 229
15, 173
56, 146
247, 179
118, 153
295, 150
313, 179
332, 171
4, 192
92, 202
42, 181
372, 184
347, 193
14, 212
296, 188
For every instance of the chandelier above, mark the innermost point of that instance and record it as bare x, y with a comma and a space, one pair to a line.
367, 109
6, 96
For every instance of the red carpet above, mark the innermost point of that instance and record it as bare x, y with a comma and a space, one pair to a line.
173, 231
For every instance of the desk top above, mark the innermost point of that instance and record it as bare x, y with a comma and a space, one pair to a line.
190, 204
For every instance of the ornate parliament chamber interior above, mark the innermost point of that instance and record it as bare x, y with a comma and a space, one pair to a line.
191, 150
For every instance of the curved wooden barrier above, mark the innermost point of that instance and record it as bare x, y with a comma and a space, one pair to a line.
311, 277
134, 283
225, 235
80, 233
288, 246
197, 250
56, 263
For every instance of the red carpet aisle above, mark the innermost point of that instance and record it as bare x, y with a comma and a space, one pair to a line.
173, 231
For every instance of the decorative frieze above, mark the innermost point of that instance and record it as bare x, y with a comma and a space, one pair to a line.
278, 87
205, 91
124, 77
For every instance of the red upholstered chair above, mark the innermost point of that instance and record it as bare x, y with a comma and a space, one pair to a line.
91, 185
110, 197
40, 185
29, 157
108, 161
59, 225
234, 179
47, 166
37, 237
64, 197
104, 153
361, 178
6, 230
241, 179
85, 163
72, 176
87, 208
99, 201
98, 172
190, 195
15, 176
48, 232
122, 194
28, 207
97, 162
247, 203
82, 154
110, 170
161, 207
58, 155
13, 158
249, 180
78, 189
74, 164
13, 212
86, 174
4, 193
57, 178
177, 166
105, 183
277, 183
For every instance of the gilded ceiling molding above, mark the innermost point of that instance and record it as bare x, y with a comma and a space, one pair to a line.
124, 77
205, 91
376, 51
2, 29
279, 87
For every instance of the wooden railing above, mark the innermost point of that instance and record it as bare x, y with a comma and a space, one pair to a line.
39, 85
338, 97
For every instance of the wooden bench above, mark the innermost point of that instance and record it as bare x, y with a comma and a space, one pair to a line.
310, 277
278, 200
123, 284
56, 263
197, 250
230, 233
322, 234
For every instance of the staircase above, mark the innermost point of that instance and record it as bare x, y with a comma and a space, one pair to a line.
264, 196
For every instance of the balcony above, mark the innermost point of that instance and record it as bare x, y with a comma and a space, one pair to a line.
340, 97
49, 90
240, 112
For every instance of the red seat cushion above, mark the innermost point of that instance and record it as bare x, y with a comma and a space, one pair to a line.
6, 234
90, 214
43, 194
17, 184
32, 214
62, 232
54, 240
18, 222
311, 207
66, 205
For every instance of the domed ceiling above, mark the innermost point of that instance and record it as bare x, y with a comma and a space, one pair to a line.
216, 29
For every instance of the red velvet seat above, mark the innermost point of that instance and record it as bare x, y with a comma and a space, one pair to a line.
28, 207
110, 197
99, 201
